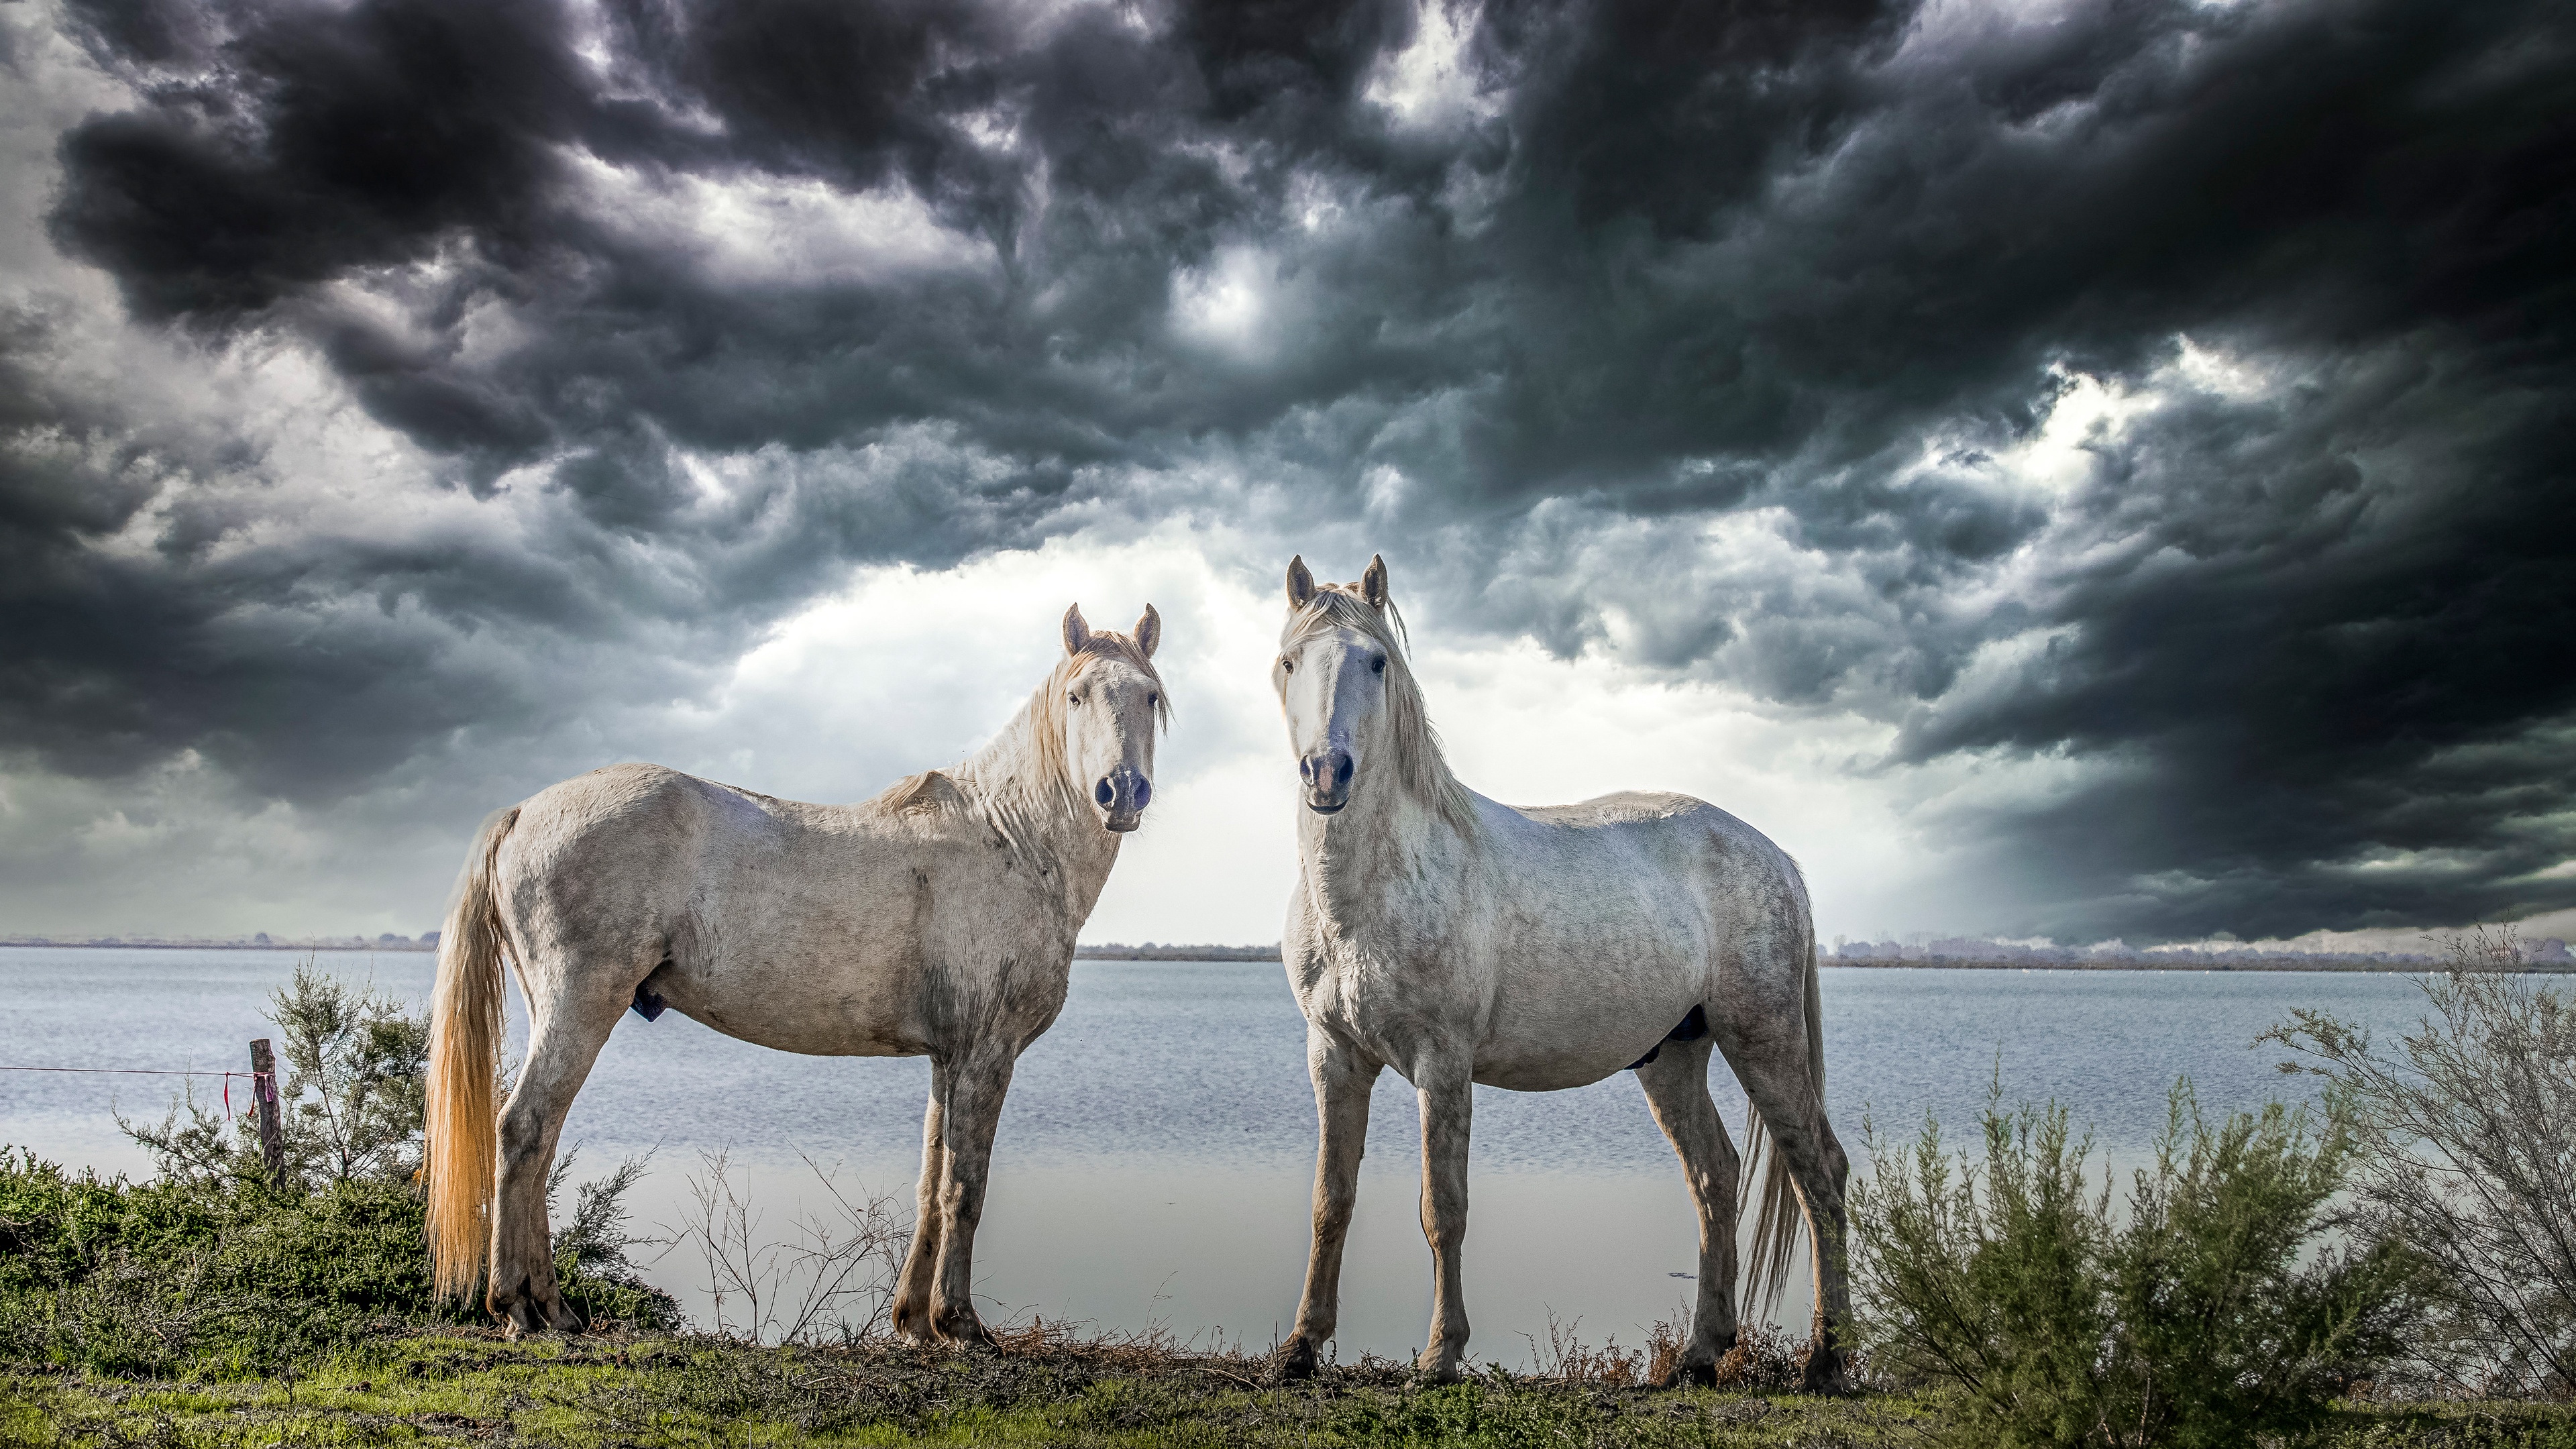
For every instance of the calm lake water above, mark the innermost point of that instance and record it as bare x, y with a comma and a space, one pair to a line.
1154, 1160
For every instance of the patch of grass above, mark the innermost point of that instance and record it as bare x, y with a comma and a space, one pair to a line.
619, 1390
469, 1385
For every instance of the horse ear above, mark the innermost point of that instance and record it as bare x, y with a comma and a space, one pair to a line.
1301, 584
1076, 632
1149, 631
1373, 583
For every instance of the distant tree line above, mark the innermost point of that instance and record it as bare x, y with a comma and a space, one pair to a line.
1969, 953
263, 941
1150, 951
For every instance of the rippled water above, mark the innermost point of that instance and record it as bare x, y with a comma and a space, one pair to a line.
1154, 1158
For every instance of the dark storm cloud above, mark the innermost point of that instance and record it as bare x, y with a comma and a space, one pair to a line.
1822, 263
2333, 627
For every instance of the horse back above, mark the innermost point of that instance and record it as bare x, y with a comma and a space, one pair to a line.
817, 928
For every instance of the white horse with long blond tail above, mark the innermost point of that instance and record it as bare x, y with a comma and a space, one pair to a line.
937, 920
1461, 941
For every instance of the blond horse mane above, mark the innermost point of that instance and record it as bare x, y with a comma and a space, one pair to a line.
1023, 778
1419, 763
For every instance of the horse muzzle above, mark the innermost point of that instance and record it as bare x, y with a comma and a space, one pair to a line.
1122, 796
1327, 774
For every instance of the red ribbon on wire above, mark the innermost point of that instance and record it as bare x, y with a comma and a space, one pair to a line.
158, 1072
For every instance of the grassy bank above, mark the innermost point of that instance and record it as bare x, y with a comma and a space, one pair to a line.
469, 1386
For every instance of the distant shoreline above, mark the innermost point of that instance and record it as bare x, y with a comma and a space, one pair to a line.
341, 944
1112, 951
1119, 951
2135, 963
1115, 951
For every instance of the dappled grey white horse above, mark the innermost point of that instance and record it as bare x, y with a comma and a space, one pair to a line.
1461, 941
937, 920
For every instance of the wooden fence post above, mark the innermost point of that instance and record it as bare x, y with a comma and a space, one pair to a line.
263, 1091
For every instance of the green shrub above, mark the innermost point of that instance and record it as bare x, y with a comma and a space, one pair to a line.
2217, 1307
212, 1266
350, 1101
149, 1279
144, 1279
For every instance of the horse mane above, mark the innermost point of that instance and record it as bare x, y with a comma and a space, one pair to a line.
1022, 778
1420, 765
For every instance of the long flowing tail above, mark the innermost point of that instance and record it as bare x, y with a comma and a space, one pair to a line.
464, 1058
1775, 1227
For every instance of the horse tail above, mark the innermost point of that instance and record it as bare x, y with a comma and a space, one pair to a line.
1775, 1226
465, 1031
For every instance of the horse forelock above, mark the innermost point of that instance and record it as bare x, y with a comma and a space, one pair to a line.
1105, 644
1419, 761
1110, 644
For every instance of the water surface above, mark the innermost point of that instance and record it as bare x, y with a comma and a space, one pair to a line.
1154, 1159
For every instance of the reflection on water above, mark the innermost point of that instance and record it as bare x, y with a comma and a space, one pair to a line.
1154, 1160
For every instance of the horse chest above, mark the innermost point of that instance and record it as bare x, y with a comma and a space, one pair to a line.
1389, 1006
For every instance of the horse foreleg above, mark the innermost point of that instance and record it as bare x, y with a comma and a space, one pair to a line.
563, 1041
912, 1310
976, 1088
1447, 1093
1676, 1086
1343, 1080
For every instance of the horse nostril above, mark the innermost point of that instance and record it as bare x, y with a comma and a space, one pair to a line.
1102, 793
1342, 770
1305, 769
1144, 792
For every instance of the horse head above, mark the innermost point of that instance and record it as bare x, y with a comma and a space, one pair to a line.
1342, 682
1111, 699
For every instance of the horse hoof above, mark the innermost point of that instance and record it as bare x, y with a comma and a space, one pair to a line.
1823, 1374
1295, 1360
964, 1330
524, 1313
1437, 1367
912, 1325
1687, 1375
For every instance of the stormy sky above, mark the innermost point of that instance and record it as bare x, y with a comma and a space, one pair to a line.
2062, 468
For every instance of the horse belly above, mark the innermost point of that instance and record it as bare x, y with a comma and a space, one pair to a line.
1546, 1036
1585, 1050
1571, 1008
838, 1009
798, 970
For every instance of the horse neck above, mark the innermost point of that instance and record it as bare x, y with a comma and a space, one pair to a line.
1383, 838
1026, 797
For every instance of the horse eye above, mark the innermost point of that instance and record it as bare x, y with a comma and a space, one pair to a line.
1378, 665
1287, 666
1152, 700
1075, 698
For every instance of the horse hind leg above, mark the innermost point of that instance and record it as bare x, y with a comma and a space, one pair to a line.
571, 1016
1783, 1091
1676, 1087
